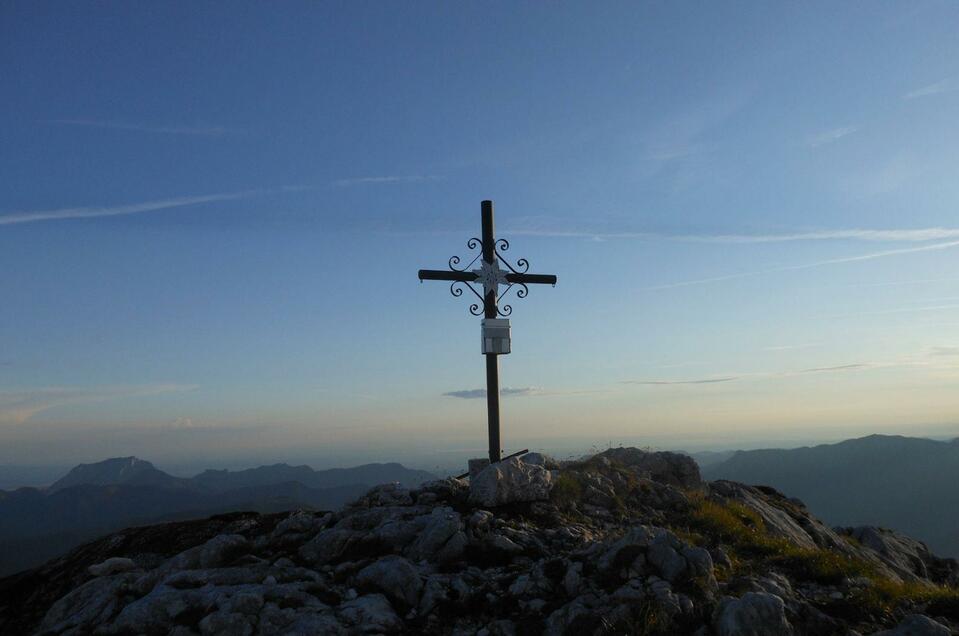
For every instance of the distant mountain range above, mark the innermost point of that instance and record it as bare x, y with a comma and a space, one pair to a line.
904, 483
93, 499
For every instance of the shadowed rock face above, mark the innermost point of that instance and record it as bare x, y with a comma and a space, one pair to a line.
910, 559
624, 542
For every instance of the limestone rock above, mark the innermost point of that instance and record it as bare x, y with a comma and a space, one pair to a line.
217, 551
664, 557
755, 614
327, 546
113, 565
510, 481
449, 489
394, 576
477, 465
392, 494
371, 614
789, 524
540, 459
93, 603
436, 530
613, 551
907, 557
664, 467
916, 625
298, 524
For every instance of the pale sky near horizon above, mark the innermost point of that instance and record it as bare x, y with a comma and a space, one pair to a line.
211, 219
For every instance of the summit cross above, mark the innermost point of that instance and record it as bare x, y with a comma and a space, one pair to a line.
495, 324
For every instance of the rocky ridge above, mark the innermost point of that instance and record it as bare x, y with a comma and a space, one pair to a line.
625, 542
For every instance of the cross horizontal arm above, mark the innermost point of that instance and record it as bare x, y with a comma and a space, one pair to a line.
442, 274
544, 279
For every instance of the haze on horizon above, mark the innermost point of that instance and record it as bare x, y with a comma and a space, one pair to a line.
211, 221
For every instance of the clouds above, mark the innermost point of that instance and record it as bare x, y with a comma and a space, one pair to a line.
472, 394
205, 131
791, 347
893, 235
942, 86
829, 136
832, 261
944, 351
19, 405
682, 135
90, 212
672, 382
34, 216
840, 367
722, 379
182, 423
389, 179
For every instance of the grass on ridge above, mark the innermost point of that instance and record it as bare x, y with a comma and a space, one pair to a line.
745, 532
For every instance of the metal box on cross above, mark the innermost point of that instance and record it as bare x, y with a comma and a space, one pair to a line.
496, 336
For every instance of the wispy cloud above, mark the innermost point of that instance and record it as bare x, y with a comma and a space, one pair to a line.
829, 136
949, 350
665, 152
470, 394
390, 179
901, 310
913, 281
840, 367
883, 254
528, 391
905, 235
733, 377
672, 382
791, 347
181, 423
681, 135
942, 86
34, 216
831, 261
208, 131
19, 405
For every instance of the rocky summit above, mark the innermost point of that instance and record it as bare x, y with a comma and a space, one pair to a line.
623, 542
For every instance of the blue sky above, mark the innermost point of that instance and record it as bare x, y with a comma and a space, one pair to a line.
211, 220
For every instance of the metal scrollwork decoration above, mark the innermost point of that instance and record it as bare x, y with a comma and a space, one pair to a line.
500, 245
487, 273
522, 267
472, 244
456, 290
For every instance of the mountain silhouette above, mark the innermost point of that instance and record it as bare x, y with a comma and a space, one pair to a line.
905, 483
118, 470
94, 499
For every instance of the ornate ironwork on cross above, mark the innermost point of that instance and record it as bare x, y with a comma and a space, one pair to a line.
495, 325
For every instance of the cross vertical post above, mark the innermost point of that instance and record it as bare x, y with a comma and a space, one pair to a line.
495, 327
492, 359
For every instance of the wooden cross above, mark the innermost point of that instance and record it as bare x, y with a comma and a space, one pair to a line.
491, 277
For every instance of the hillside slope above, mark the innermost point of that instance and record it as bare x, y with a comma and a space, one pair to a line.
905, 483
627, 542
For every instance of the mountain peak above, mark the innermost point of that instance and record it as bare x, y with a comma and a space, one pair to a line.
113, 471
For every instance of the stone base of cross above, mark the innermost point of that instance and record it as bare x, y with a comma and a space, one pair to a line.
495, 326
